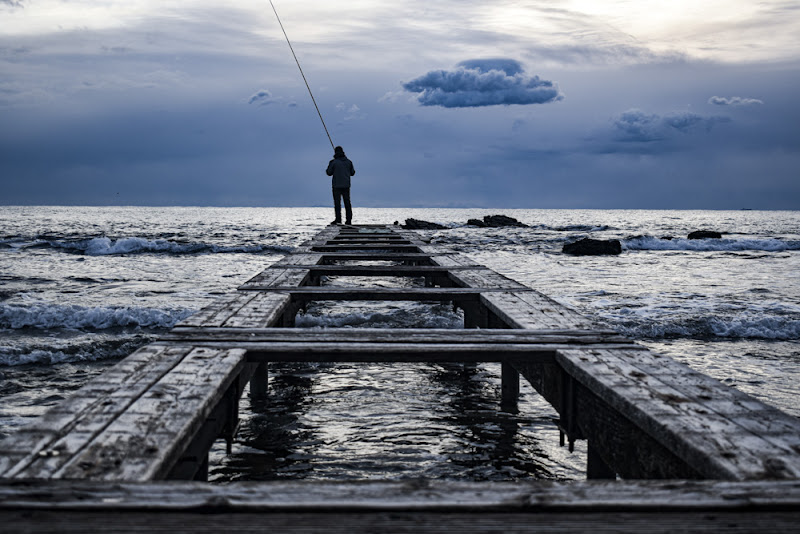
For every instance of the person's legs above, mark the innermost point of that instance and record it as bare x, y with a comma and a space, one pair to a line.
348, 209
337, 204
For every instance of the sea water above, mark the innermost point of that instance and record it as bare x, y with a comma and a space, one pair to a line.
81, 287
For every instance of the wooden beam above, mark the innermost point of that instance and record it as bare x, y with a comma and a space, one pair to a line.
397, 335
531, 497
392, 293
370, 247
375, 270
389, 352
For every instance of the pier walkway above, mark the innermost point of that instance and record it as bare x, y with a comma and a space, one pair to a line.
154, 416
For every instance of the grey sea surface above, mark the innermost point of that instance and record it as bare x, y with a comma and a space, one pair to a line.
81, 287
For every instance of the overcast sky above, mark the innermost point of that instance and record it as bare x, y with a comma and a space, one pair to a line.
540, 104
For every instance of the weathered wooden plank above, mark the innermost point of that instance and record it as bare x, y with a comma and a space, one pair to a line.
266, 309
455, 260
751, 414
484, 278
357, 522
392, 256
713, 444
378, 270
278, 278
391, 352
368, 247
357, 238
370, 293
346, 521
297, 259
241, 309
395, 335
531, 309
146, 440
530, 496
51, 440
216, 313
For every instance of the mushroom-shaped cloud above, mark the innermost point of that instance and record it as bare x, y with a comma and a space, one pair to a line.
482, 82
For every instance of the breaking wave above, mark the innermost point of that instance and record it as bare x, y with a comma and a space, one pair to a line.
104, 246
778, 328
51, 316
48, 352
709, 245
438, 316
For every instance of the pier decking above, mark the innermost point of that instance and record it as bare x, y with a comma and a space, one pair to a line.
153, 417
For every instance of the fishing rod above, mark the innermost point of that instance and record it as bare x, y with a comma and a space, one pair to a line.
302, 74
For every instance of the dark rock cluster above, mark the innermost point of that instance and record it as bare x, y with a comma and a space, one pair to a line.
592, 247
705, 234
416, 224
496, 221
489, 221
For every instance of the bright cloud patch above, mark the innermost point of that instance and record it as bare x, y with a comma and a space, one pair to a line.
482, 82
733, 101
638, 126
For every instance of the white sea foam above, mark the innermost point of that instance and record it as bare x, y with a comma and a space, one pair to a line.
51, 316
84, 348
742, 326
104, 246
709, 245
436, 317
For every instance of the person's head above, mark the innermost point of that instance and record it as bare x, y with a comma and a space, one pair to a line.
338, 151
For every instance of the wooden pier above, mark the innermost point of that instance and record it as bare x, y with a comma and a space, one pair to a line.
665, 443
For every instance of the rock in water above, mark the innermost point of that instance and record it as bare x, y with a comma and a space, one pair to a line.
476, 222
592, 247
498, 221
416, 224
705, 234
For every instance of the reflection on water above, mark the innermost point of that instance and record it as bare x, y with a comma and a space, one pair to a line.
361, 421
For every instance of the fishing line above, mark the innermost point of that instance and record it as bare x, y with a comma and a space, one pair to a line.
301, 73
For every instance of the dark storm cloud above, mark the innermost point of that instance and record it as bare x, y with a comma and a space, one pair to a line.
637, 126
733, 101
482, 82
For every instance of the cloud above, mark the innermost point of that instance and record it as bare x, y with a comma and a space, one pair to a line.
733, 101
482, 82
12, 3
352, 112
637, 126
262, 97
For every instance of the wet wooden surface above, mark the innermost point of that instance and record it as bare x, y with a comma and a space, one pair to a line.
413, 506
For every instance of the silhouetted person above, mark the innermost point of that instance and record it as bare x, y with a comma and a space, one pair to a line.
341, 169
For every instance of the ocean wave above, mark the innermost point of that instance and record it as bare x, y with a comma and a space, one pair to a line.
438, 317
69, 351
778, 328
104, 246
709, 245
51, 316
580, 228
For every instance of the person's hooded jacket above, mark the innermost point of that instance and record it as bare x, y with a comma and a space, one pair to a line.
341, 169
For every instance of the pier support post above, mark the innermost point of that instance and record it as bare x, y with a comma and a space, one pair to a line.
289, 316
259, 382
596, 467
202, 471
475, 315
509, 386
